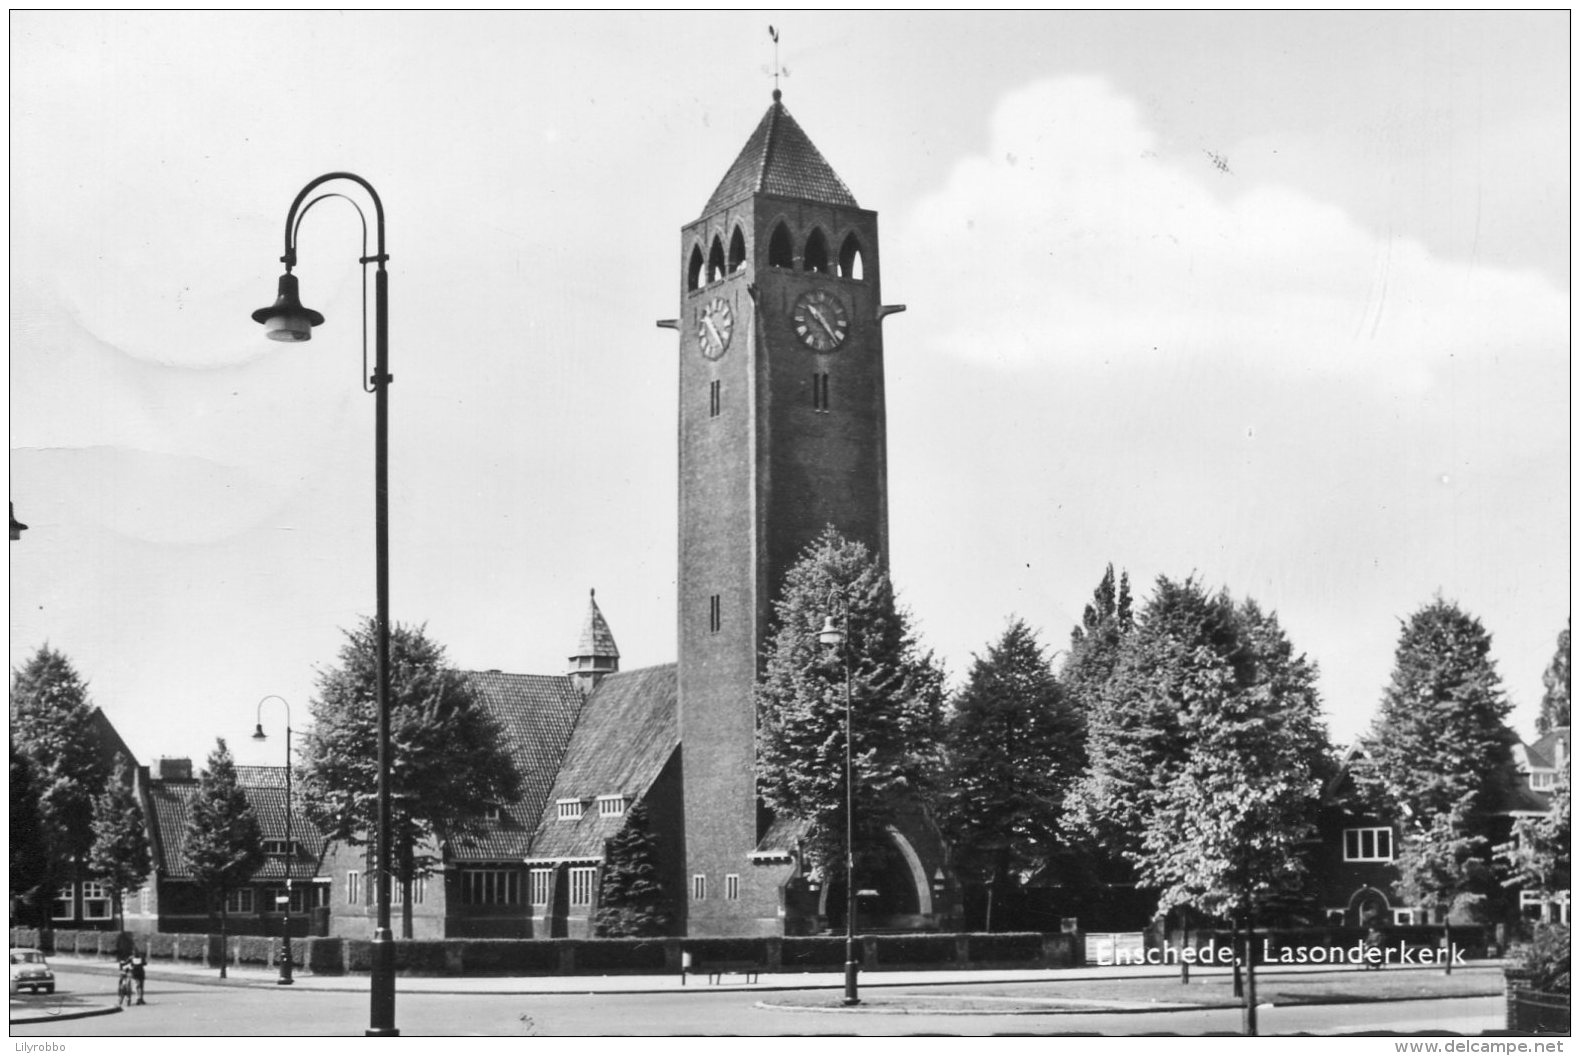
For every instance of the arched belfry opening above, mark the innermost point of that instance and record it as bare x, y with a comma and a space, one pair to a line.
737, 251
694, 269
850, 262
716, 261
816, 258
780, 252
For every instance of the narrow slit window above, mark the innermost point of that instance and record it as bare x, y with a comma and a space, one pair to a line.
699, 887
732, 886
713, 399
820, 390
715, 617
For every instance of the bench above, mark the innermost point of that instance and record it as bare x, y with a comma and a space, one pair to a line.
717, 970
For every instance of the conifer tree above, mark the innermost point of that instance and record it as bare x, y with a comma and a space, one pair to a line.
119, 855
1012, 749
51, 725
632, 900
1094, 647
29, 852
224, 842
1555, 695
896, 690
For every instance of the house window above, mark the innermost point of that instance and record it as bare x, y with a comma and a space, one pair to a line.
301, 899
699, 888
239, 901
611, 806
1404, 916
353, 887
1541, 779
64, 899
582, 878
1368, 845
570, 809
145, 900
490, 887
95, 901
538, 887
732, 886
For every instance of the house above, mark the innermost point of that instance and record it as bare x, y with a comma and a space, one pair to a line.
1541, 767
85, 903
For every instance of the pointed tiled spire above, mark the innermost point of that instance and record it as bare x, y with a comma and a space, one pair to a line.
779, 159
596, 654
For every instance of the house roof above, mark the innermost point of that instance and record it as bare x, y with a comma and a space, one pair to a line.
779, 159
170, 804
626, 733
1550, 749
538, 713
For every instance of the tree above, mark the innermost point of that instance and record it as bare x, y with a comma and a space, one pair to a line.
1555, 695
29, 851
50, 725
1095, 643
897, 694
119, 855
1442, 866
1439, 738
224, 843
1537, 857
449, 756
632, 900
1012, 749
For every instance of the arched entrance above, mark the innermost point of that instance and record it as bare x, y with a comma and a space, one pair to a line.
895, 895
1367, 905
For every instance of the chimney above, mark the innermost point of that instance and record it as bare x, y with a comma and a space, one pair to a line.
175, 769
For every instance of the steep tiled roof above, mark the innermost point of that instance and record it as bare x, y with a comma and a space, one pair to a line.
1549, 747
782, 836
596, 639
626, 733
779, 159
538, 713
264, 787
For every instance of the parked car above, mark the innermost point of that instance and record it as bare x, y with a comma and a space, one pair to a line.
29, 971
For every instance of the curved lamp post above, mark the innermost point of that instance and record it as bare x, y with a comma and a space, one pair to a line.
288, 320
838, 637
286, 979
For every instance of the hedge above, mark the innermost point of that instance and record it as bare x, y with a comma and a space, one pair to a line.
629, 955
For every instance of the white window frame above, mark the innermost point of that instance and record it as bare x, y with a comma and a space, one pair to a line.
493, 812
570, 809
95, 892
699, 887
239, 900
353, 887
732, 886
583, 882
1404, 916
539, 883
611, 806
1375, 835
68, 895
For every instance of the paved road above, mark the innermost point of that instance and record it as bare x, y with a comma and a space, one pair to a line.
176, 1008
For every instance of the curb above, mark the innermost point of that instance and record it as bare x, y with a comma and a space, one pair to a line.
56, 1017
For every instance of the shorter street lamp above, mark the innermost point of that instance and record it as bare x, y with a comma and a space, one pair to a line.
286, 979
838, 637
17, 527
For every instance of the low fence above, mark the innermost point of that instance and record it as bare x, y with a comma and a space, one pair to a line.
1531, 1011
457, 957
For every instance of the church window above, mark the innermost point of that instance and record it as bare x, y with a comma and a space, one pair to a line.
699, 887
737, 251
583, 879
490, 887
732, 886
850, 258
780, 255
816, 253
538, 886
716, 261
820, 390
694, 269
713, 399
715, 614
353, 887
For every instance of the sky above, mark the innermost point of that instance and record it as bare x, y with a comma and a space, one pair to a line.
1277, 300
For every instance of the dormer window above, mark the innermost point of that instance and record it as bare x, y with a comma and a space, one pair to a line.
569, 809
280, 848
611, 806
493, 812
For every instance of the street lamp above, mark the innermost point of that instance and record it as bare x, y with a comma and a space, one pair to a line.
838, 637
288, 320
286, 978
17, 527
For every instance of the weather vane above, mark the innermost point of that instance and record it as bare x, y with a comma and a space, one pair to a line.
777, 69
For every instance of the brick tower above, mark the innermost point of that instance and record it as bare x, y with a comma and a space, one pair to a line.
781, 434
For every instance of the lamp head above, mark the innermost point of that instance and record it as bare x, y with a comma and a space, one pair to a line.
287, 319
831, 634
258, 734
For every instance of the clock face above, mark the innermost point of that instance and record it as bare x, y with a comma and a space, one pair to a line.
715, 323
821, 320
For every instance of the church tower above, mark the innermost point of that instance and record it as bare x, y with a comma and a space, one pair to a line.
781, 434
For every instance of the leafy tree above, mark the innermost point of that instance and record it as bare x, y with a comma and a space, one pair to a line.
449, 757
1012, 748
897, 711
1537, 858
1442, 866
1227, 831
1439, 738
224, 843
1095, 643
632, 900
29, 851
50, 725
1555, 695
119, 855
